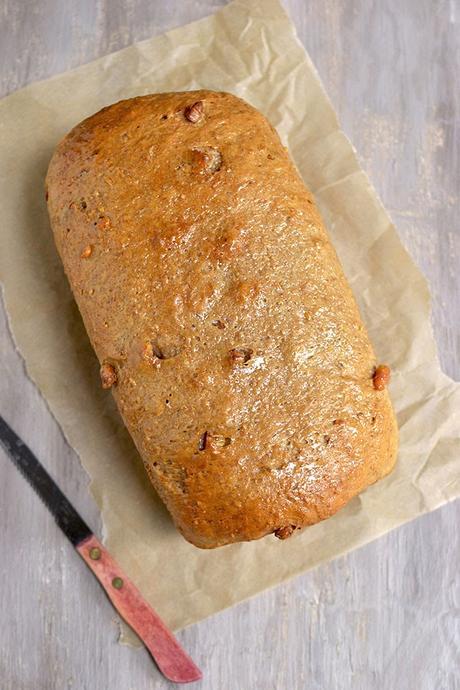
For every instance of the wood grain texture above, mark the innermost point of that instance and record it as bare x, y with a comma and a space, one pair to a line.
385, 616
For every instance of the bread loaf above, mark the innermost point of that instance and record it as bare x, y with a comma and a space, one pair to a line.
220, 314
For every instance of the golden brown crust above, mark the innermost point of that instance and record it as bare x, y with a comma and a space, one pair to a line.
216, 303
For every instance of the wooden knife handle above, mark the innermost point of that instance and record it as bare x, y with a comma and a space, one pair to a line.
171, 659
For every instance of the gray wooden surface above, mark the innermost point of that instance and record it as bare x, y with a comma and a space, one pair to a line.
385, 616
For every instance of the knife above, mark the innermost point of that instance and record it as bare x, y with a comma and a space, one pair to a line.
173, 662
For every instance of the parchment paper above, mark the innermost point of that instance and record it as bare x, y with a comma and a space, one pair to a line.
248, 48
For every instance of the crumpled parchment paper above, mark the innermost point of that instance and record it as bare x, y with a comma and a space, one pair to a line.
248, 48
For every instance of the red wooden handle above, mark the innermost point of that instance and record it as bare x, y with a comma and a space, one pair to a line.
172, 660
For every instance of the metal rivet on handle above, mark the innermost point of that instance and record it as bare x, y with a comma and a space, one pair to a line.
117, 582
95, 553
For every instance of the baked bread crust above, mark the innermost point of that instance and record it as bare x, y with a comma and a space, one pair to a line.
220, 314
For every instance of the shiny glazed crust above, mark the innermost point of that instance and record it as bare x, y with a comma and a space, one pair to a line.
220, 314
